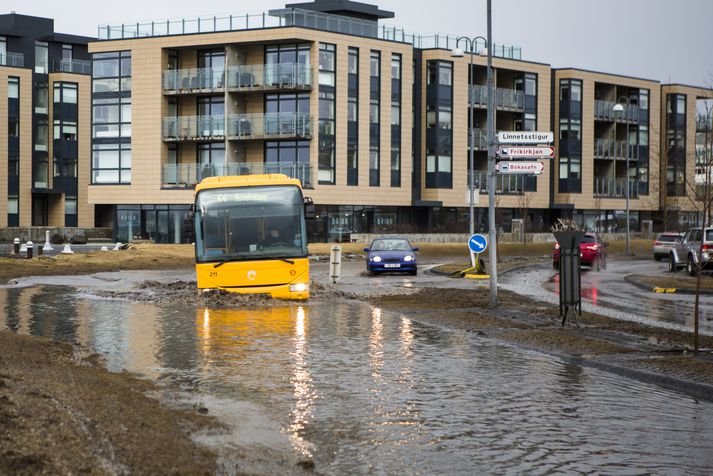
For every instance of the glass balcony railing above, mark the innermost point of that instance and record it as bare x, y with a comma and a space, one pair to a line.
193, 81
614, 187
191, 128
270, 76
614, 149
72, 66
704, 123
504, 184
604, 111
12, 59
508, 99
481, 139
279, 125
188, 175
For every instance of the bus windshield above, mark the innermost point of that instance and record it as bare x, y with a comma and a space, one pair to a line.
246, 223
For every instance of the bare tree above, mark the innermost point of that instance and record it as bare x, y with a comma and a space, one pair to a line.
524, 201
700, 192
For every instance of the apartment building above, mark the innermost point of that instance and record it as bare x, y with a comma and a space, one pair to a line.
373, 120
686, 144
45, 84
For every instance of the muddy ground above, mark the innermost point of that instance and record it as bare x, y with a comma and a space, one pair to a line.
680, 281
64, 414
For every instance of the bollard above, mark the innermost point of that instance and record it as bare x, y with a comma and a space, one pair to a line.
335, 263
39, 250
48, 246
23, 248
67, 250
29, 245
16, 246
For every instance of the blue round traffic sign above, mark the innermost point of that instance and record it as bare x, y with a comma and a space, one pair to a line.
477, 243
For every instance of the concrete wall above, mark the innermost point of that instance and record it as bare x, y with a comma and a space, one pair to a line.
37, 233
366, 238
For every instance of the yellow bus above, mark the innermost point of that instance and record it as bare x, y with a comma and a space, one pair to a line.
251, 235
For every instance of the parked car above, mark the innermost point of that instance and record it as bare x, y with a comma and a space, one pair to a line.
663, 244
688, 252
592, 252
391, 255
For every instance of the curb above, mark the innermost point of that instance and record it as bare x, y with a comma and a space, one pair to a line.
660, 290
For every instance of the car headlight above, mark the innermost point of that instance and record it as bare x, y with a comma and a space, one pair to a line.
299, 287
408, 258
376, 259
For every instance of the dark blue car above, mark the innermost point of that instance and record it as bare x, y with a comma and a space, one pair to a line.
388, 255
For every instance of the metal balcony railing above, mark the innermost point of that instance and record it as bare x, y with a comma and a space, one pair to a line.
193, 81
13, 59
192, 128
614, 149
504, 184
188, 175
277, 125
508, 99
614, 187
270, 76
604, 110
72, 66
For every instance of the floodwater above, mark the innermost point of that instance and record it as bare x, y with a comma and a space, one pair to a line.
358, 390
608, 293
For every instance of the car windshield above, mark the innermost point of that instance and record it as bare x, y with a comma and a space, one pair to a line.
709, 235
668, 238
390, 245
589, 239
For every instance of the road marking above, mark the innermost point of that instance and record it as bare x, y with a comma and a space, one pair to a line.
665, 290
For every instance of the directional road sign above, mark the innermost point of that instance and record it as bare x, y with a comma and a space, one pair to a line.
525, 152
525, 137
530, 168
477, 243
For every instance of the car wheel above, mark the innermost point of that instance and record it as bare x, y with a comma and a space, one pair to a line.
691, 267
672, 264
414, 272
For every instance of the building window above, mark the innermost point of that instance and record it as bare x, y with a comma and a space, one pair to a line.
13, 127
42, 98
353, 118
41, 57
570, 136
353, 63
12, 205
375, 118
13, 87
70, 205
3, 50
439, 124
41, 135
111, 163
65, 93
111, 72
66, 52
327, 64
13, 166
374, 166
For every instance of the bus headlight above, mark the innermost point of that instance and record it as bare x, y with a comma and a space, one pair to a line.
299, 287
376, 259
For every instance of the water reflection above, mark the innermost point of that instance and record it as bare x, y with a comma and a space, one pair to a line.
361, 390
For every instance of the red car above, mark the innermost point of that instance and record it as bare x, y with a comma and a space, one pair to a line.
592, 252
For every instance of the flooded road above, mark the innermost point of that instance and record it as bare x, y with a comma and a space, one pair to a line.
608, 293
358, 390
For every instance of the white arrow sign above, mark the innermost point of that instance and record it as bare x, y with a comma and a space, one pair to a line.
523, 152
525, 137
530, 168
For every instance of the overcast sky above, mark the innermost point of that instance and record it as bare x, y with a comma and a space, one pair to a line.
663, 40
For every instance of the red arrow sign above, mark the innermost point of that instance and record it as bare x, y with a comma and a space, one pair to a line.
524, 152
530, 168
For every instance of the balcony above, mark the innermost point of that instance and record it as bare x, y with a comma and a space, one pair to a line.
72, 66
481, 139
278, 125
504, 184
193, 81
604, 111
614, 187
505, 99
188, 175
193, 128
614, 149
13, 59
270, 77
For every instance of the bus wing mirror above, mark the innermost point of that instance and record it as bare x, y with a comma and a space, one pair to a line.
309, 208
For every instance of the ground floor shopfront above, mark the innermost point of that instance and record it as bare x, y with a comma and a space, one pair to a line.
336, 223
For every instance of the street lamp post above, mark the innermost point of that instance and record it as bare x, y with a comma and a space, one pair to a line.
619, 107
493, 252
470, 44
